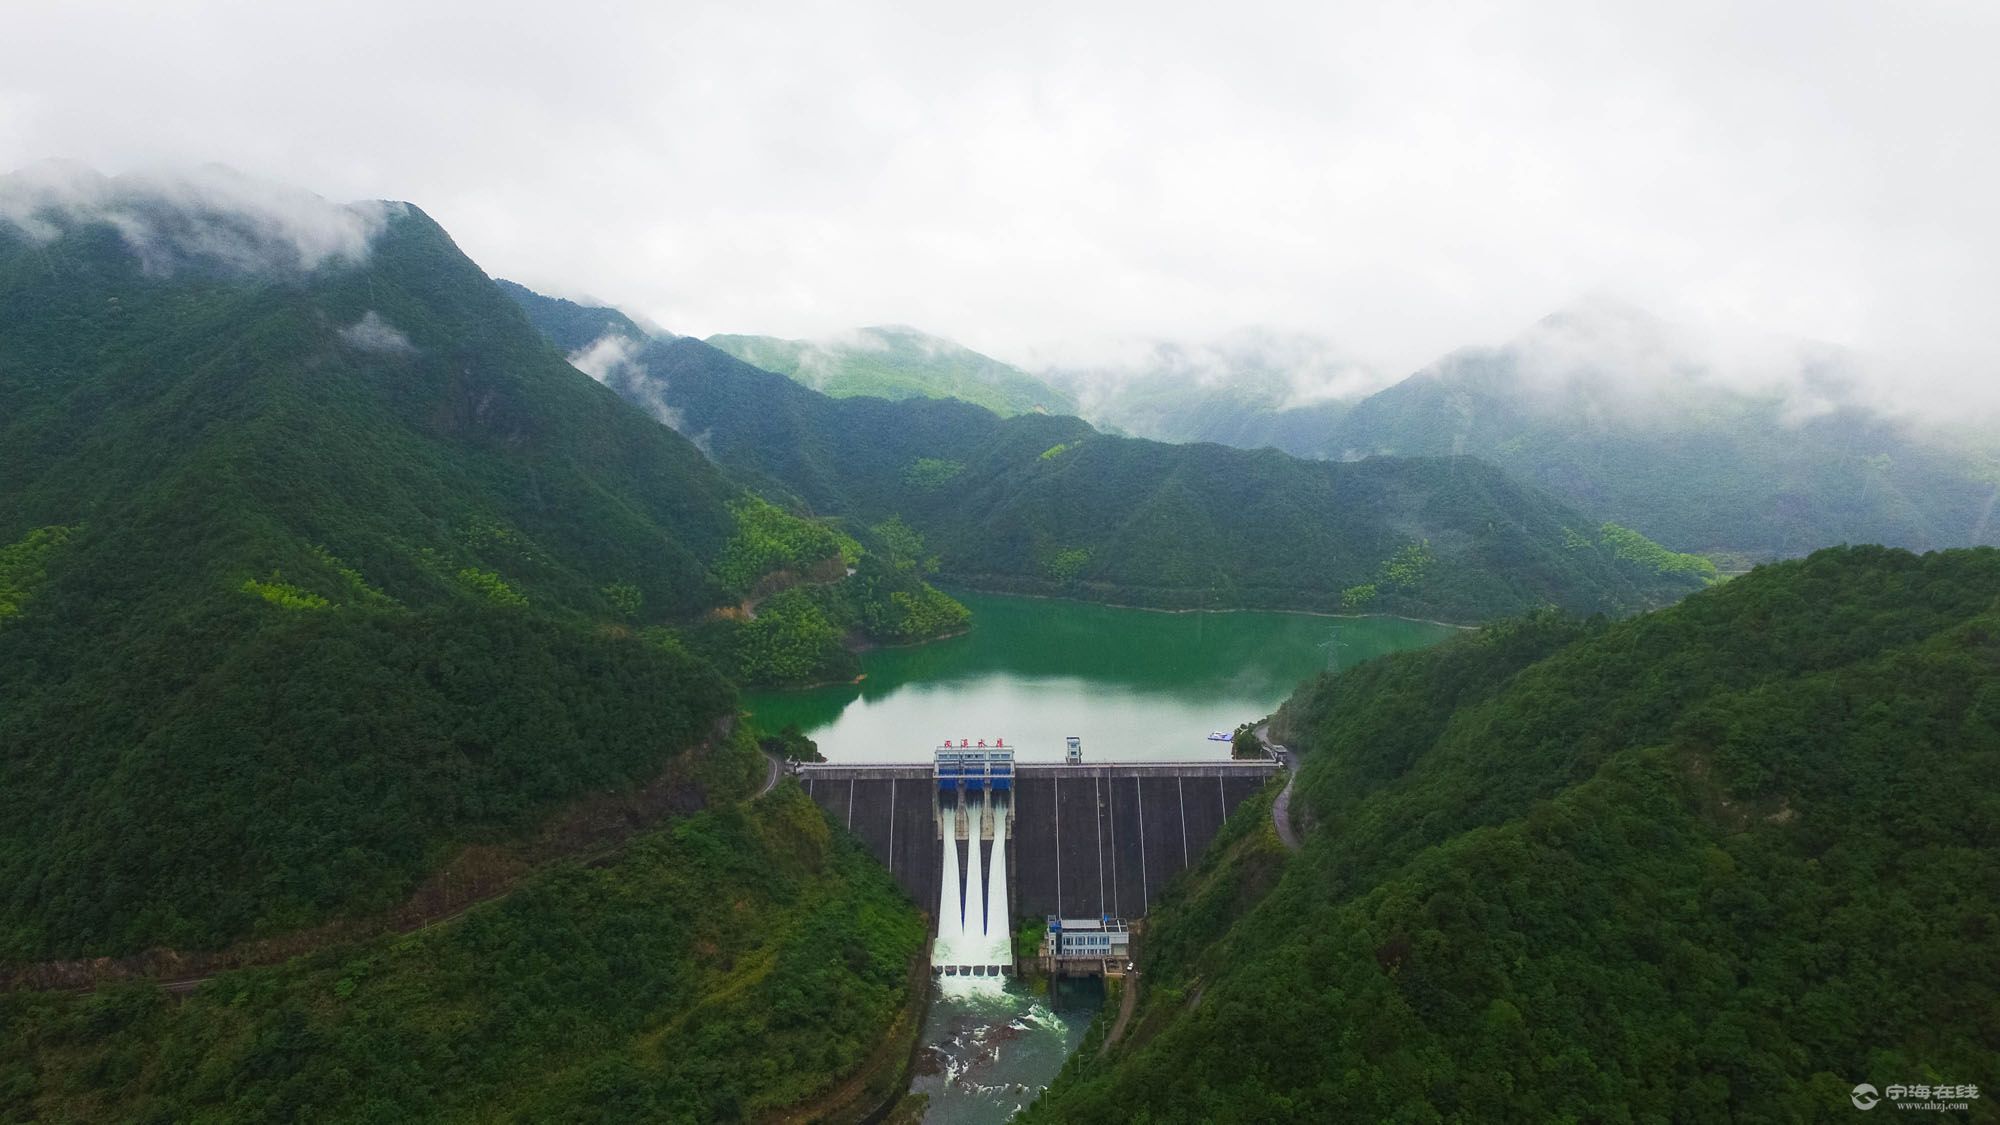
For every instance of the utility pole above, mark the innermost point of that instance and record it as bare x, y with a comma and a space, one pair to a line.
1333, 644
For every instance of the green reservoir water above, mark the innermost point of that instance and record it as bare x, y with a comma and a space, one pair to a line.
1133, 684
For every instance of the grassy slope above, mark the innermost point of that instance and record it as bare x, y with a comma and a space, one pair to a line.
1726, 859
900, 363
739, 961
1048, 505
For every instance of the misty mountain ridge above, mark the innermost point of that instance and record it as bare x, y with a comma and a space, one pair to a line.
1599, 357
1048, 505
1766, 449
1250, 388
899, 362
1268, 367
205, 219
1612, 361
1745, 448
1763, 450
575, 326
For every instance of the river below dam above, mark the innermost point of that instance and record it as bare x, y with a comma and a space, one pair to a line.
991, 1046
1134, 685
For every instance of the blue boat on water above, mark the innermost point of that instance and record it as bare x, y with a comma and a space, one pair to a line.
1218, 736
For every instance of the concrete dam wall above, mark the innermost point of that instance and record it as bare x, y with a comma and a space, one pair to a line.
1082, 840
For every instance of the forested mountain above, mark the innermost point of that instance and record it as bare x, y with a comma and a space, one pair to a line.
896, 362
316, 562
615, 993
1722, 861
1048, 505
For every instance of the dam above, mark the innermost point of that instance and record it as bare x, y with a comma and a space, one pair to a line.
1072, 839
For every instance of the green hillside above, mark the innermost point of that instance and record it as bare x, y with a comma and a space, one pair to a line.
312, 573
894, 362
615, 993
1718, 862
1048, 505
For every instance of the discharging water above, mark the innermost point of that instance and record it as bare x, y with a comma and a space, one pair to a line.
973, 928
992, 1045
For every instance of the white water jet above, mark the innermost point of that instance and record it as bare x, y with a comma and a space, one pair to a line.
973, 921
999, 939
951, 927
974, 948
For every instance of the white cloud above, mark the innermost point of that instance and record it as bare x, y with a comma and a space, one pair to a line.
1401, 179
373, 334
175, 216
613, 359
606, 356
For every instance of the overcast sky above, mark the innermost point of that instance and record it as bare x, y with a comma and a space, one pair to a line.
1403, 178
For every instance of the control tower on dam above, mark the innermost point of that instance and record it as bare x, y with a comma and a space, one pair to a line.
1079, 839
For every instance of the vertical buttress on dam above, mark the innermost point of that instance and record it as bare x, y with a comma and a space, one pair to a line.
1081, 841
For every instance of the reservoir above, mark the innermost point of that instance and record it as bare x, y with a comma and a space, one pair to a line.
1134, 685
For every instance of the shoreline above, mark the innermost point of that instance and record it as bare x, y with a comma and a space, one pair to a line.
874, 646
1228, 609
855, 681
865, 645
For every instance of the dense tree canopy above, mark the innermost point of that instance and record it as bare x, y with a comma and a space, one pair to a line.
1721, 861
737, 962
308, 576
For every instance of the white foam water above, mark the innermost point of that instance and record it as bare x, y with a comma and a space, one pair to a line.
951, 927
974, 943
